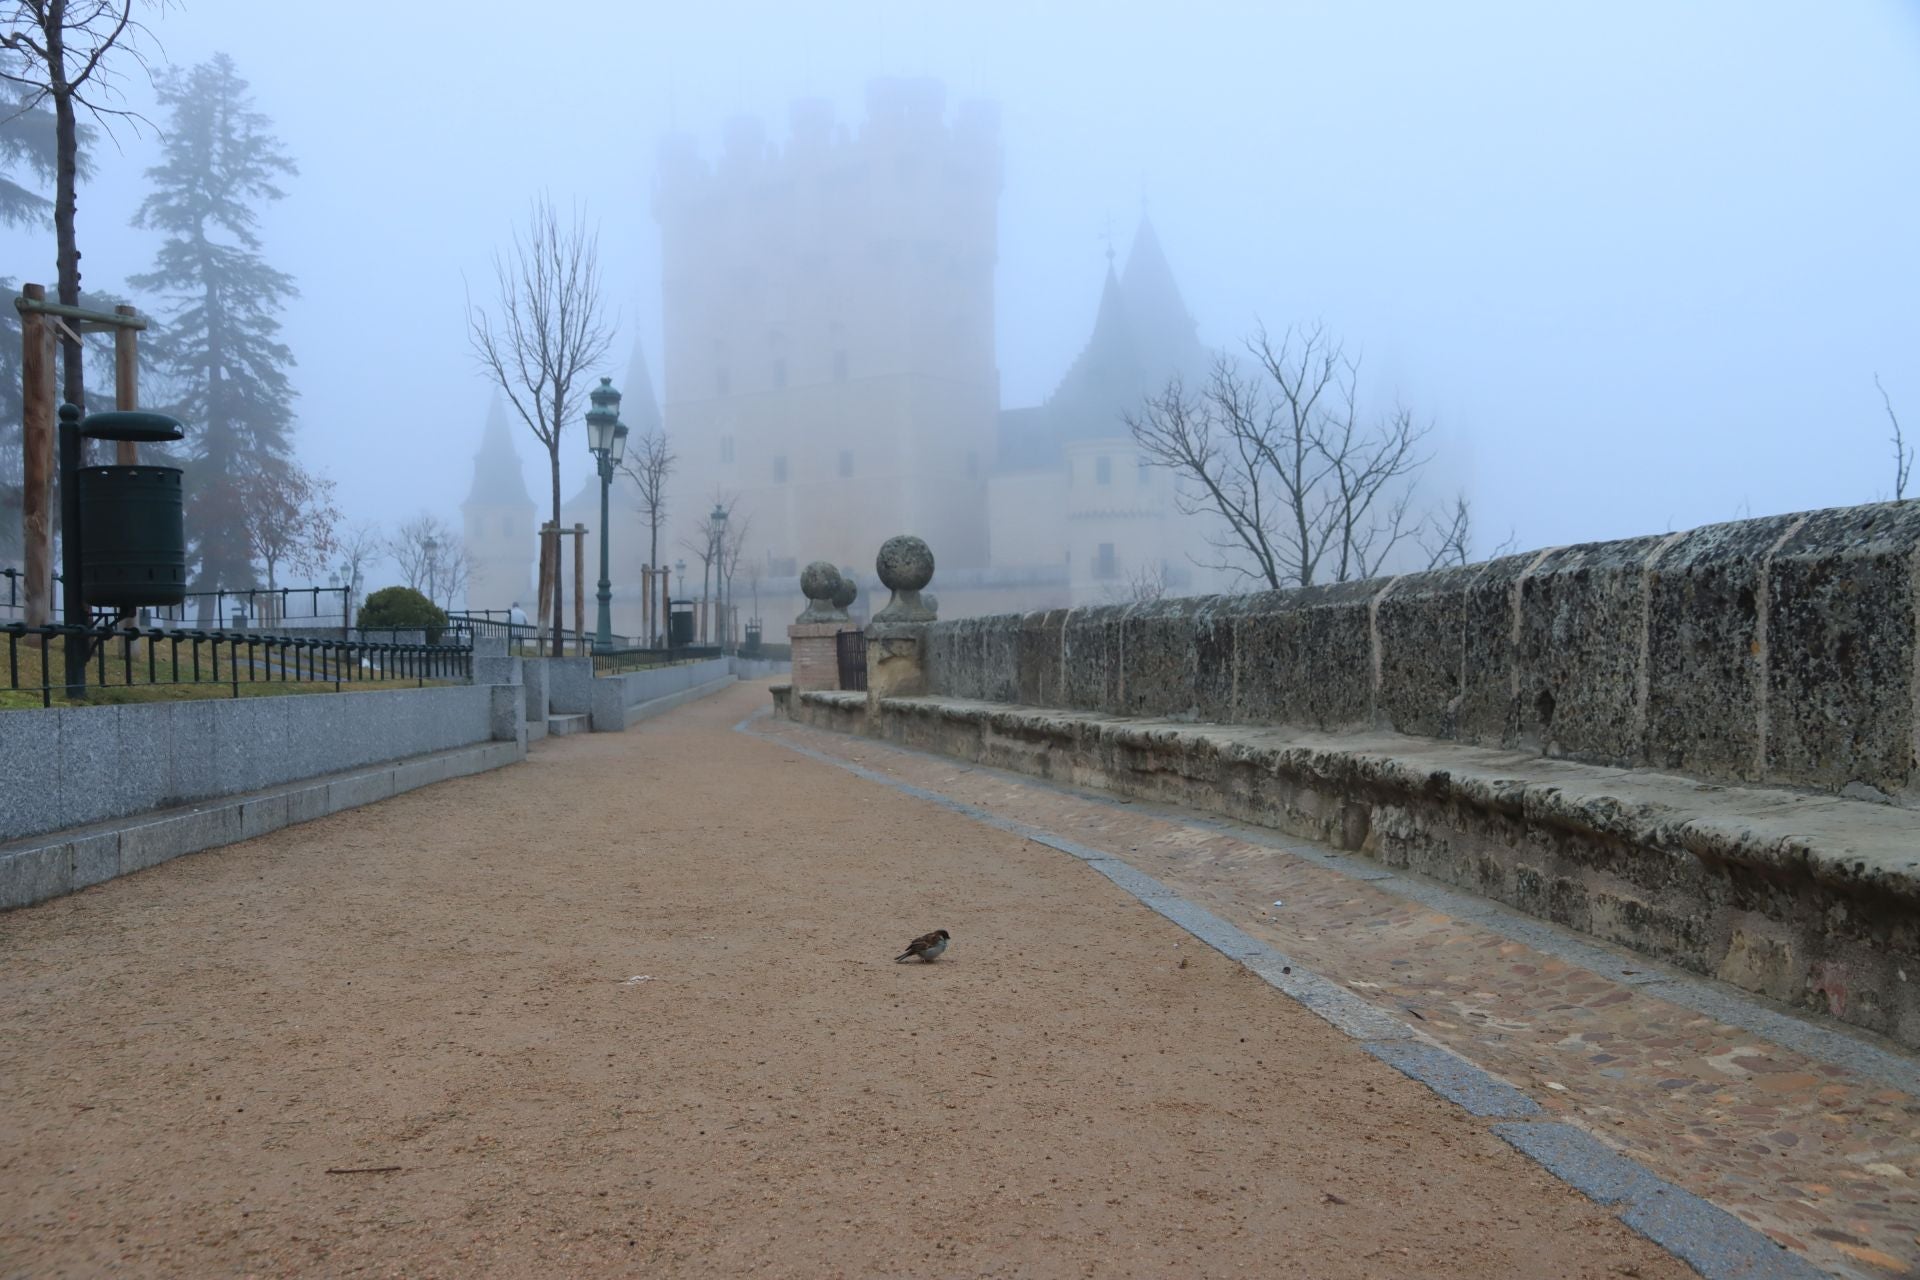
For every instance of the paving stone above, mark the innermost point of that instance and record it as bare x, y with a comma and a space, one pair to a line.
1454, 1078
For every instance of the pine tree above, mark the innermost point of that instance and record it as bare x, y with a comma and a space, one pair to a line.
220, 344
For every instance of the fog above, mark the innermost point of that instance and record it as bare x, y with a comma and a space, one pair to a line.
1639, 262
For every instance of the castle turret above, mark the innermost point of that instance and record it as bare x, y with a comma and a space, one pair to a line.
497, 520
829, 327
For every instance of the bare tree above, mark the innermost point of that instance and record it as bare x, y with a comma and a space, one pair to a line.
431, 557
1447, 537
65, 44
547, 337
733, 543
649, 463
359, 547
708, 544
290, 520
1143, 586
1280, 454
1902, 451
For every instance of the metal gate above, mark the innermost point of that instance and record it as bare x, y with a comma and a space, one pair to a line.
852, 646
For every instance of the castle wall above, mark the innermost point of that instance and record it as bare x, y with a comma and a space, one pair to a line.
828, 322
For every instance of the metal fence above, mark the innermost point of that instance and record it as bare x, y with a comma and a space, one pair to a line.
235, 660
850, 647
250, 608
613, 661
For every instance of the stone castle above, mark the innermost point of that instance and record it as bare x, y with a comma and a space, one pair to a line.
828, 336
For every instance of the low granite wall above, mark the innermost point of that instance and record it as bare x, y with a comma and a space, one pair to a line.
616, 697
1778, 651
71, 766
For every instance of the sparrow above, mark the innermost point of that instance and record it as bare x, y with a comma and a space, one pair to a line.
927, 946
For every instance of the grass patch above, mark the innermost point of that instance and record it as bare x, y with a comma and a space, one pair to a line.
163, 681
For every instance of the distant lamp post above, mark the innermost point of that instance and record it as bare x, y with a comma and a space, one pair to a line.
430, 547
679, 576
346, 601
716, 540
607, 442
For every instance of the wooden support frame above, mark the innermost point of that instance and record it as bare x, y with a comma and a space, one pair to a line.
41, 322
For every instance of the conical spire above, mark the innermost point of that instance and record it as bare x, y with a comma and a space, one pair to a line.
498, 480
1105, 381
639, 409
1161, 324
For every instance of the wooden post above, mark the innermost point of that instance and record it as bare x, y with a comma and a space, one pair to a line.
126, 380
580, 586
36, 441
541, 617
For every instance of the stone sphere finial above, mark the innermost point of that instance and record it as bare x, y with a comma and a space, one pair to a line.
820, 582
905, 565
845, 593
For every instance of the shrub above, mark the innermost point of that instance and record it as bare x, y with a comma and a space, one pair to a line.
402, 609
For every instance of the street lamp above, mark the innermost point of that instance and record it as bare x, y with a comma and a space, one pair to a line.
346, 601
607, 442
716, 539
430, 546
679, 576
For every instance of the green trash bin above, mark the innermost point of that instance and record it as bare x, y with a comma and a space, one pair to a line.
133, 536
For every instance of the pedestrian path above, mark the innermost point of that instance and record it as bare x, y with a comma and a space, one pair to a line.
1806, 1131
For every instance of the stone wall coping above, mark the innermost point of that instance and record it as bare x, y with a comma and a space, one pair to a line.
1854, 846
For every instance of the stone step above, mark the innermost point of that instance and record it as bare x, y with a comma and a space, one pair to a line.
561, 726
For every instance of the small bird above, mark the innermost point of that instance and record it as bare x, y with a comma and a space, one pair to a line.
927, 946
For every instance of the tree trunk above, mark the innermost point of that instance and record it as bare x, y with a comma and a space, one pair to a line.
66, 176
559, 618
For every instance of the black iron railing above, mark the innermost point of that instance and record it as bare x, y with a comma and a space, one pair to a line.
608, 662
260, 608
120, 658
850, 647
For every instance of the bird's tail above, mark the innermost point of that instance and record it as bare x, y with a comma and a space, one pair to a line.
903, 957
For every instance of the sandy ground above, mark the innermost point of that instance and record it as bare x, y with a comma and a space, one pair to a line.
443, 983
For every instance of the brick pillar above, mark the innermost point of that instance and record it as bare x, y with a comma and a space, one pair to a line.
816, 655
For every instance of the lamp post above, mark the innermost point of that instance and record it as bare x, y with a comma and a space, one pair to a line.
346, 602
679, 576
430, 547
716, 543
607, 442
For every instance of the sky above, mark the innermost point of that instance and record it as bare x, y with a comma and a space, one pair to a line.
1638, 262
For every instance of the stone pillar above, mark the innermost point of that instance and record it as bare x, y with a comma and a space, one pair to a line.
813, 635
897, 637
896, 661
816, 655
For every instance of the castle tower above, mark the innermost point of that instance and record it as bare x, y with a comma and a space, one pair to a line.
497, 522
829, 328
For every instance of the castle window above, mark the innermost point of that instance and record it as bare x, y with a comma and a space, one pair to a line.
846, 462
726, 448
1103, 470
780, 373
780, 469
1104, 565
839, 366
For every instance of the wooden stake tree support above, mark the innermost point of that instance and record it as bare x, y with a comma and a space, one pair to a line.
41, 324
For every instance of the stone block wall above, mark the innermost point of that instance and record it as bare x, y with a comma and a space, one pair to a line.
1778, 651
78, 765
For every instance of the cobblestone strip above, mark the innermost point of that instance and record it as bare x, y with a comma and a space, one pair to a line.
1713, 1242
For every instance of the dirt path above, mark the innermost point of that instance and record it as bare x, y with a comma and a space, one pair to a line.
442, 983
1811, 1148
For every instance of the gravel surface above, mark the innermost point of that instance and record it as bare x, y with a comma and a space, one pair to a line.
631, 1008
